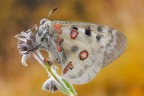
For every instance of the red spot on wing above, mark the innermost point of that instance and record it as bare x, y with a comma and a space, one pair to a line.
59, 32
60, 40
83, 55
57, 27
70, 65
59, 48
74, 34
65, 70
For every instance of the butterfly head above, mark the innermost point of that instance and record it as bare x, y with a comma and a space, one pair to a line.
43, 29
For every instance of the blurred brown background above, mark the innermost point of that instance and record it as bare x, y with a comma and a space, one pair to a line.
124, 77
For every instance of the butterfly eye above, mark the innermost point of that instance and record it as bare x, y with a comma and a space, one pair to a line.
28, 30
43, 21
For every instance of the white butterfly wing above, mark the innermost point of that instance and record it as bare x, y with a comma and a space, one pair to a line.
87, 48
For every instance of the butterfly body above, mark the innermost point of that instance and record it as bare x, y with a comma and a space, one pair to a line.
81, 48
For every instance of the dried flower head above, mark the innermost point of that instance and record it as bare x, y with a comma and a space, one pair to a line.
50, 85
27, 44
30, 43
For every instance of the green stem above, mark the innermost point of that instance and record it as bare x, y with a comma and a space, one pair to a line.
68, 87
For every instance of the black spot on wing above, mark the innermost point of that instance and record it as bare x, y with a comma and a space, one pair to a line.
74, 28
88, 31
74, 48
110, 30
100, 28
98, 37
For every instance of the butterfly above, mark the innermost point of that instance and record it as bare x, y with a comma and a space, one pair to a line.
81, 48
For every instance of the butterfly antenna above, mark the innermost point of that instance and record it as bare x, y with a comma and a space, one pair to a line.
51, 12
55, 8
